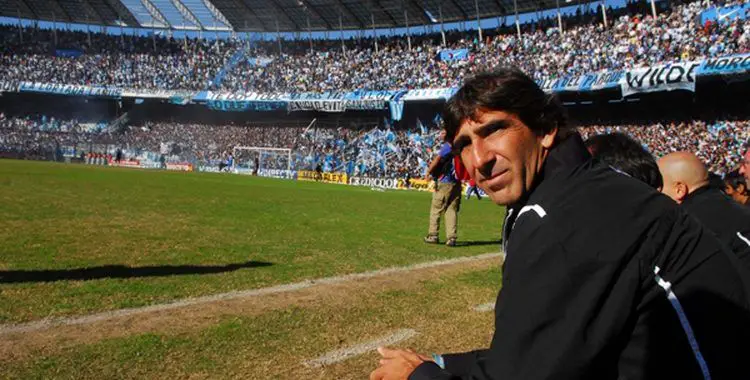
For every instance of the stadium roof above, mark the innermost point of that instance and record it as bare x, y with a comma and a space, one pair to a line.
263, 15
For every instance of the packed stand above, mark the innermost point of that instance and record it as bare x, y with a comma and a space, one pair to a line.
634, 38
98, 59
42, 137
375, 152
720, 144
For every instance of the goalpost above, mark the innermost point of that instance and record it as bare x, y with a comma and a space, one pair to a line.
257, 158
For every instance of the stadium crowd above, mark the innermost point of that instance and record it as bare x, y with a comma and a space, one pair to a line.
40, 137
99, 59
374, 151
719, 144
634, 38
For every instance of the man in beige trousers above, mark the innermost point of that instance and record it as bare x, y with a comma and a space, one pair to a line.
446, 199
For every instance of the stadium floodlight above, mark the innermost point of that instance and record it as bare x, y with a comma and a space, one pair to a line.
258, 159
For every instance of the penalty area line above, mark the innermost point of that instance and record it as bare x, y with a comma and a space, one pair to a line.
107, 315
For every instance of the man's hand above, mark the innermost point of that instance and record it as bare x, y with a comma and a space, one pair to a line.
397, 364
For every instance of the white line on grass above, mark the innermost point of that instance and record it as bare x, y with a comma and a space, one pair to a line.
485, 307
345, 353
54, 322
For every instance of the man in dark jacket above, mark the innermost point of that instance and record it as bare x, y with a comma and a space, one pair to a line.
621, 152
604, 278
686, 181
735, 186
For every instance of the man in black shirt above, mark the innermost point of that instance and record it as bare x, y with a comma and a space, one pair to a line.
736, 187
621, 152
604, 278
686, 181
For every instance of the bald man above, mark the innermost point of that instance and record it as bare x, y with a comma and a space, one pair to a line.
686, 181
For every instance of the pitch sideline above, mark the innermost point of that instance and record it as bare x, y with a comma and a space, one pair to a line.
285, 288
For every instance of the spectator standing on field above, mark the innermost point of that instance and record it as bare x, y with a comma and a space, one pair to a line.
446, 199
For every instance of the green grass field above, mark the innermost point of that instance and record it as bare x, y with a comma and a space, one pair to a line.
78, 240
165, 228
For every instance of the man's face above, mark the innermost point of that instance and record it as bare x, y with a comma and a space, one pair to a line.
745, 166
502, 154
442, 135
736, 194
728, 190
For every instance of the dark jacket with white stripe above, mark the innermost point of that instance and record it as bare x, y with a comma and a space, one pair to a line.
727, 219
605, 278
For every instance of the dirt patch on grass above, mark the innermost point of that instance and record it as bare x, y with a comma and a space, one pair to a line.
23, 345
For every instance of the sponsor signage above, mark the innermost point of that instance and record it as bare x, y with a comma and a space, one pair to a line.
309, 175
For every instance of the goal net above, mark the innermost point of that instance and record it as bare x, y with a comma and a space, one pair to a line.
263, 161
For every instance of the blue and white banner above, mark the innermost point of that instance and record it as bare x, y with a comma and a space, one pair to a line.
582, 83
724, 14
320, 102
259, 61
323, 102
229, 66
454, 54
239, 97
8, 86
666, 77
69, 89
157, 94
369, 100
430, 94
244, 105
734, 64
247, 101
319, 105
562, 84
600, 81
396, 106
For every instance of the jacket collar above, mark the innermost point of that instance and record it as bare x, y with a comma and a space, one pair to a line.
567, 154
696, 194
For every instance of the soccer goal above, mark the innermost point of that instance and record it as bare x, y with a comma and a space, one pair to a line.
263, 160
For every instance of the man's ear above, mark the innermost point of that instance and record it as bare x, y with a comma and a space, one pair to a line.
681, 191
549, 138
